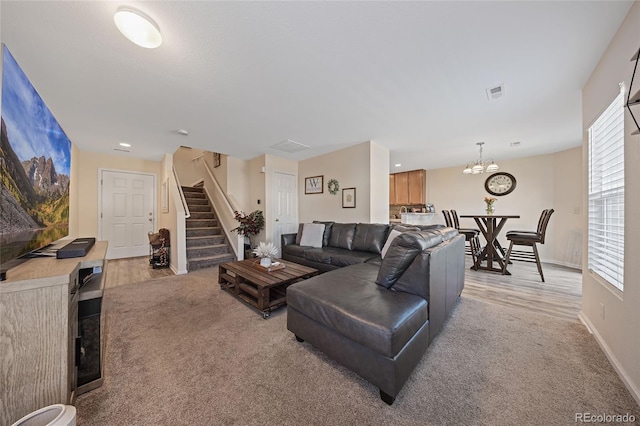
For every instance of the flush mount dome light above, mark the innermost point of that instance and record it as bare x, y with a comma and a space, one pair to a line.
138, 27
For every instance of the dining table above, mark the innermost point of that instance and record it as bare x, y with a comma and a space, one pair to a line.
490, 225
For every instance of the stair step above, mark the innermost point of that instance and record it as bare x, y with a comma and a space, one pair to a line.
199, 208
194, 197
196, 201
204, 251
202, 232
209, 261
202, 223
205, 240
191, 189
202, 215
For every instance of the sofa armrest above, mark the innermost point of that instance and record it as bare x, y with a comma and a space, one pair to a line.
287, 239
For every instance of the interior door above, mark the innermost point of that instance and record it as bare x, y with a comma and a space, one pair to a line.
285, 210
128, 211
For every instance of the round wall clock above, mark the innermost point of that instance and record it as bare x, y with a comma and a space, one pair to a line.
500, 184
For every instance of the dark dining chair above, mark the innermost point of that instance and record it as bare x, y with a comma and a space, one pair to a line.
529, 239
470, 235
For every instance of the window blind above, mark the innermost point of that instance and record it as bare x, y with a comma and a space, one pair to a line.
606, 194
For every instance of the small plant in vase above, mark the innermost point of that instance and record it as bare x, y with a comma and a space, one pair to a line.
489, 201
266, 252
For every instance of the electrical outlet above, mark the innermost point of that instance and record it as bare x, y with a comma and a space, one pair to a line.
602, 311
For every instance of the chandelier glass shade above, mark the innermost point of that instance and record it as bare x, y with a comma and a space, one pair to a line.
480, 166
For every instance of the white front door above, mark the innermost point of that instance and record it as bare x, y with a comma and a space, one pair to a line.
285, 206
128, 211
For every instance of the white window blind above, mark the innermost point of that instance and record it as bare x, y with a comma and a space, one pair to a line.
606, 194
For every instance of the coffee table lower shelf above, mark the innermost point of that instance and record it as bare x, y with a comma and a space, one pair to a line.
261, 289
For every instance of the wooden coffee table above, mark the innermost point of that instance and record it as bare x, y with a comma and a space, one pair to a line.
264, 290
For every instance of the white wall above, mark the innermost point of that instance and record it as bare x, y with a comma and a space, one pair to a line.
618, 331
352, 168
379, 184
86, 180
544, 181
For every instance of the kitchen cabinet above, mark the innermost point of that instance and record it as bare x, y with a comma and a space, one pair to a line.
408, 188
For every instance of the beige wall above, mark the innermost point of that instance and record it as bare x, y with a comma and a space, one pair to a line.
379, 184
544, 181
618, 330
183, 162
352, 168
86, 180
238, 182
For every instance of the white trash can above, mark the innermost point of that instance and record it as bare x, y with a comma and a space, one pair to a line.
53, 415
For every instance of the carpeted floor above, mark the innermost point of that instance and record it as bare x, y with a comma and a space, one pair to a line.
179, 351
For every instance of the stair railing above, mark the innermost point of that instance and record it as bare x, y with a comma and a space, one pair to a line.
179, 246
225, 208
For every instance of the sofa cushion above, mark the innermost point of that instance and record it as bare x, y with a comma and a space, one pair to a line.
299, 234
370, 237
312, 234
342, 235
294, 250
345, 258
327, 231
403, 250
347, 301
317, 255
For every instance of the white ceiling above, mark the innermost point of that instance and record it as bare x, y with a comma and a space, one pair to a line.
242, 76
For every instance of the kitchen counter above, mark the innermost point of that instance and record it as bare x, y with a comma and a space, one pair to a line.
418, 218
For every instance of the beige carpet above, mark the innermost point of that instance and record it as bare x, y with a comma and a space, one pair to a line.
179, 351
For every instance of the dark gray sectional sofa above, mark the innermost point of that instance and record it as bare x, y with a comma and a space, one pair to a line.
376, 316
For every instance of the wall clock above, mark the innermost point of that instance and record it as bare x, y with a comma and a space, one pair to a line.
500, 184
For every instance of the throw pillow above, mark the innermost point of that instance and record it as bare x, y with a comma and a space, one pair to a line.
403, 250
394, 233
312, 234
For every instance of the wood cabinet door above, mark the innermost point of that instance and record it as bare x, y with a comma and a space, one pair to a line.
416, 184
392, 189
402, 188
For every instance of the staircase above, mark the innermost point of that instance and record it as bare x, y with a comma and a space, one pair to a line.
206, 244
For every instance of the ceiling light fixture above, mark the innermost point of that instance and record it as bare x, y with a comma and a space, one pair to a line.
126, 145
480, 166
138, 27
398, 165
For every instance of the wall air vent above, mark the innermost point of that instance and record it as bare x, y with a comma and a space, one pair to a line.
289, 146
494, 93
515, 144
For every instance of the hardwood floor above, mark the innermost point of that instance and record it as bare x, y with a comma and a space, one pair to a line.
559, 296
132, 270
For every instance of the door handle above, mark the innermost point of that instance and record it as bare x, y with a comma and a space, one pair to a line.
277, 220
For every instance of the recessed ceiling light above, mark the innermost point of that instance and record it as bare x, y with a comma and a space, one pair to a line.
138, 27
183, 132
127, 145
397, 165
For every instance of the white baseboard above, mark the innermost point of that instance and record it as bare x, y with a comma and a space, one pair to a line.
175, 270
635, 392
561, 263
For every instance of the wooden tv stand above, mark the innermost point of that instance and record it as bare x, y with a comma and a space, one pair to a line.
38, 331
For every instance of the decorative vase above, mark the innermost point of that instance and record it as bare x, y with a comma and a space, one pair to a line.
265, 262
490, 209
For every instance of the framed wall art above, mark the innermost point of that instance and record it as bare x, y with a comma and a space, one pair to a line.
216, 159
313, 185
349, 198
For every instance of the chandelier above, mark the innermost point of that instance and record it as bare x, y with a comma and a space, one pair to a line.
480, 166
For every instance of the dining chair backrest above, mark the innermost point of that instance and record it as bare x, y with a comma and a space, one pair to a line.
447, 218
543, 216
544, 225
456, 221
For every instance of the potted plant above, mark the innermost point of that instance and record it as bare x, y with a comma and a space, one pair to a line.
250, 224
266, 252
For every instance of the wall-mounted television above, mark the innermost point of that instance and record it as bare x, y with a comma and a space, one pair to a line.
35, 166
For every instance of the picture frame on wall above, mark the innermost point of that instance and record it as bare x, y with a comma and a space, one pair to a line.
314, 185
216, 159
349, 198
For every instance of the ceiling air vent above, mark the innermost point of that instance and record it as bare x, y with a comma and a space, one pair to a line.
495, 92
289, 146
